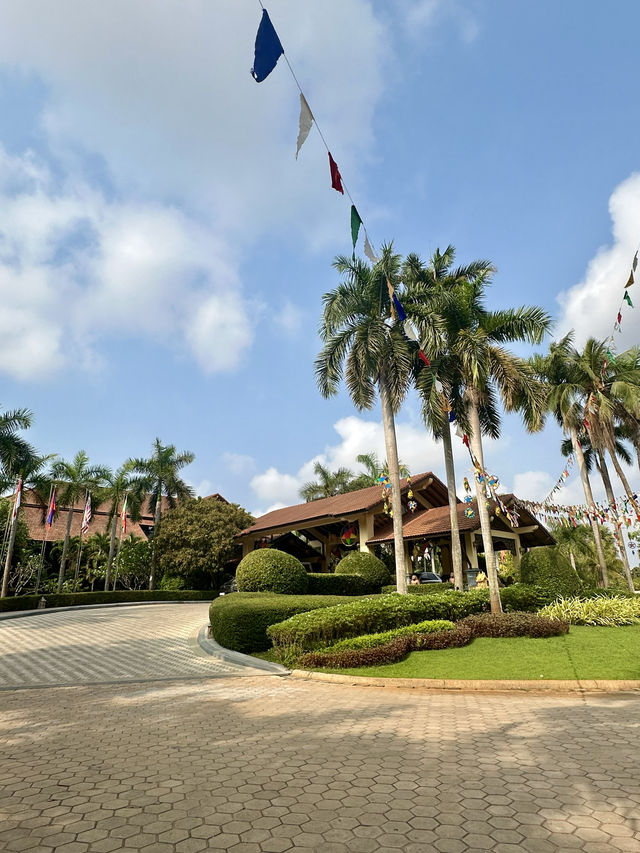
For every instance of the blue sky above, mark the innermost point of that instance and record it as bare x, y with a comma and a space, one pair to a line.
163, 255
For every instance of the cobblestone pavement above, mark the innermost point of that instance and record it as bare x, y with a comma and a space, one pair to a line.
271, 764
107, 644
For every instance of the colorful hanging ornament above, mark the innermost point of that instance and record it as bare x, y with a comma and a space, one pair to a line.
349, 535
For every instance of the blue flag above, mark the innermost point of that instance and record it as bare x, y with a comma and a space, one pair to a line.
268, 49
401, 312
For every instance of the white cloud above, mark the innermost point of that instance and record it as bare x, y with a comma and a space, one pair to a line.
590, 307
274, 487
532, 485
239, 463
77, 268
419, 16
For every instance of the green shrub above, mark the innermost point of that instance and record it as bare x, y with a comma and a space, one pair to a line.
549, 569
520, 597
369, 641
595, 611
73, 599
239, 621
366, 565
270, 570
390, 652
514, 625
330, 584
422, 589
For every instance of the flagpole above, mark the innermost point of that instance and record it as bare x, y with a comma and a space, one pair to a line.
123, 524
12, 539
44, 541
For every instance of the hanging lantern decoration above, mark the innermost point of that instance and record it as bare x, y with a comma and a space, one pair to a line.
413, 505
349, 535
469, 512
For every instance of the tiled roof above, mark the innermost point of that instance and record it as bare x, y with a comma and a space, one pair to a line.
337, 506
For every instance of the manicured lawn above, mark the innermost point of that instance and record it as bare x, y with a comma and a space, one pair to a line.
594, 653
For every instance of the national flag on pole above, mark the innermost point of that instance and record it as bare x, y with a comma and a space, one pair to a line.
52, 508
304, 123
336, 177
86, 518
268, 49
123, 515
16, 503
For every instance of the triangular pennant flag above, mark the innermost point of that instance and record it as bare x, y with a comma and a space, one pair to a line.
410, 331
452, 417
635, 262
336, 177
630, 280
459, 431
368, 250
356, 222
424, 358
402, 314
439, 386
268, 49
619, 318
627, 299
304, 123
391, 294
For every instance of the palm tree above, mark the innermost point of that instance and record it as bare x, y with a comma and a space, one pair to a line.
374, 468
32, 476
624, 396
120, 486
564, 379
438, 280
159, 476
475, 369
73, 481
97, 549
329, 483
363, 345
15, 452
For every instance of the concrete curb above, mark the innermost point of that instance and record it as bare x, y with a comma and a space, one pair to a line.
470, 686
213, 649
19, 614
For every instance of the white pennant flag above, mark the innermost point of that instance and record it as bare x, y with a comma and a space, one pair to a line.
410, 332
368, 250
306, 120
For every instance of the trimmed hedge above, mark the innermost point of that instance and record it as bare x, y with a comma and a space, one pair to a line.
391, 652
366, 565
601, 610
73, 599
240, 621
324, 583
370, 641
270, 570
549, 569
514, 625
422, 589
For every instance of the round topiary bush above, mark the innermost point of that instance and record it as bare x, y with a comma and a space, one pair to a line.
549, 569
270, 570
366, 565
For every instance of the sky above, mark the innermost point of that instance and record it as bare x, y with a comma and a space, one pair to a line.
163, 255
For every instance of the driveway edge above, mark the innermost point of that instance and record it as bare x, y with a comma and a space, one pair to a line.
474, 686
210, 647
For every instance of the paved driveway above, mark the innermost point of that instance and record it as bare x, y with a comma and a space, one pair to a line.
263, 764
106, 644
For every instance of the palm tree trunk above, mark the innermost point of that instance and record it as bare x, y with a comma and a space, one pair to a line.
483, 512
621, 475
606, 479
112, 548
115, 574
154, 554
456, 550
65, 549
588, 494
7, 562
391, 446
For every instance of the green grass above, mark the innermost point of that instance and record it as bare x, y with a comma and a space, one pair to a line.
584, 653
269, 655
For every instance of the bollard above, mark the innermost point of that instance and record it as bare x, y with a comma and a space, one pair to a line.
42, 603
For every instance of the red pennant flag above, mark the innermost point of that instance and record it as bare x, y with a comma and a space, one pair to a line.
619, 318
336, 177
424, 358
465, 440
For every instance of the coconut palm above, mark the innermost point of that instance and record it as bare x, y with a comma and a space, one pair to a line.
329, 483
159, 476
15, 452
439, 279
33, 475
73, 480
474, 369
364, 345
564, 379
120, 485
374, 468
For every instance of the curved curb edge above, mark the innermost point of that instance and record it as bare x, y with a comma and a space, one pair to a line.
213, 649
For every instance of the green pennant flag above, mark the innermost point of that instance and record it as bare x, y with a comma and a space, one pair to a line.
610, 356
356, 222
627, 299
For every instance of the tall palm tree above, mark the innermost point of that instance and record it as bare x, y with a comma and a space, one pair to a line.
329, 483
73, 480
373, 469
438, 279
624, 396
15, 452
33, 476
120, 485
476, 370
366, 346
159, 476
564, 377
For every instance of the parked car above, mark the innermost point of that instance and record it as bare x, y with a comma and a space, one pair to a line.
429, 577
228, 587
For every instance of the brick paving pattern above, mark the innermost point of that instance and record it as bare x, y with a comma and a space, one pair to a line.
274, 765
